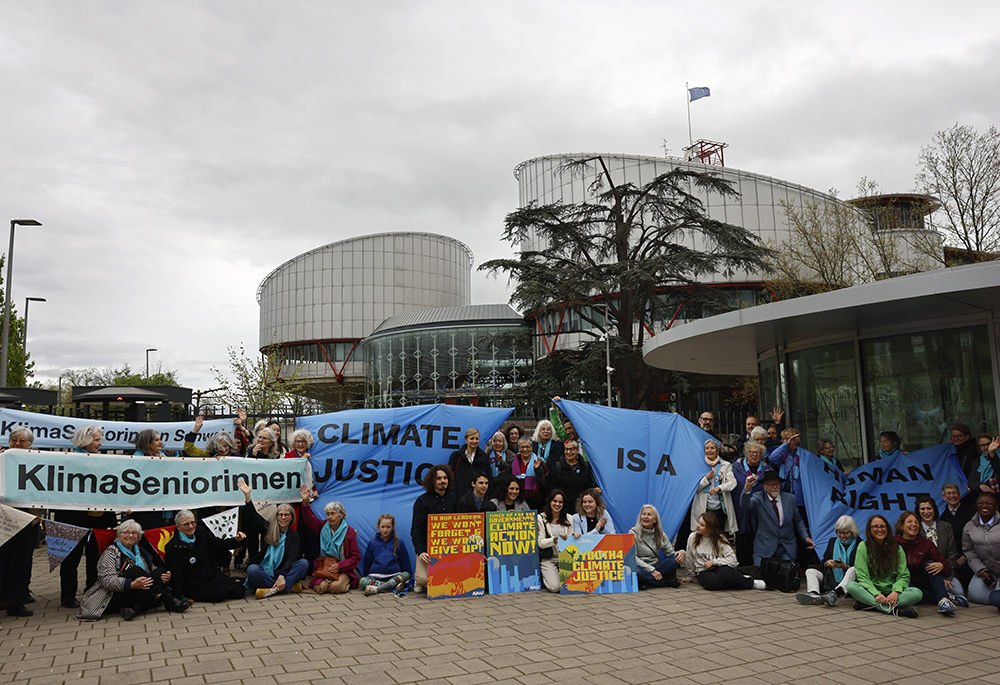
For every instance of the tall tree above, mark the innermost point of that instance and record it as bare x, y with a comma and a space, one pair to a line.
961, 167
629, 247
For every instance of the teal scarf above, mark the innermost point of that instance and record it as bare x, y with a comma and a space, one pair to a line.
185, 539
273, 556
132, 554
331, 542
842, 553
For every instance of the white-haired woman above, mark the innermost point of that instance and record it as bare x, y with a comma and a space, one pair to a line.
193, 556
128, 581
265, 445
655, 557
335, 571
830, 584
86, 440
545, 445
279, 566
302, 442
714, 491
222, 444
499, 453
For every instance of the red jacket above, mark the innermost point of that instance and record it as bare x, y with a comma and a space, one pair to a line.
919, 551
352, 555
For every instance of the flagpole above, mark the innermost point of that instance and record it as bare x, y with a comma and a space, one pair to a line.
687, 91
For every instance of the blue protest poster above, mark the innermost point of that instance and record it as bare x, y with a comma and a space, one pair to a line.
598, 565
455, 543
512, 543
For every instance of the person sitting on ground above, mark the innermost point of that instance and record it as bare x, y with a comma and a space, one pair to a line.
544, 443
477, 499
941, 536
279, 566
655, 558
981, 545
591, 515
888, 444
778, 520
438, 498
466, 461
530, 469
553, 526
386, 563
830, 584
571, 473
753, 462
883, 581
713, 493
128, 582
508, 496
499, 453
192, 555
337, 542
927, 567
222, 444
984, 473
824, 450
712, 560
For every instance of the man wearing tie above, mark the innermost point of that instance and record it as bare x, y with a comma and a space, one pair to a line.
778, 519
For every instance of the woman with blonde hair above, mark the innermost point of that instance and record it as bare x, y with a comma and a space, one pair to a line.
655, 558
279, 566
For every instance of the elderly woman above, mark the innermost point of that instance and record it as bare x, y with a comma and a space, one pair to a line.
591, 515
883, 579
222, 444
824, 450
752, 462
655, 557
193, 556
128, 581
942, 535
714, 491
830, 584
499, 454
544, 443
981, 545
16, 553
335, 571
302, 442
278, 567
984, 474
387, 563
86, 440
530, 469
888, 444
572, 474
265, 445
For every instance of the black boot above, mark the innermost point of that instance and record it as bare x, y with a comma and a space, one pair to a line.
171, 603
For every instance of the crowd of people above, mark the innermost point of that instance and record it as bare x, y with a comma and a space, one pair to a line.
747, 515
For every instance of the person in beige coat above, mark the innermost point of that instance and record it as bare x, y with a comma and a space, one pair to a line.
714, 490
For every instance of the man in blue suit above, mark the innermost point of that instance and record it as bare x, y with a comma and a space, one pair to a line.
778, 519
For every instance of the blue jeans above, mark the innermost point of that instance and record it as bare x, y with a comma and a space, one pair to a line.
980, 593
665, 566
932, 587
258, 578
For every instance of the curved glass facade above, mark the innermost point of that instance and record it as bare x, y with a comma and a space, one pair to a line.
467, 364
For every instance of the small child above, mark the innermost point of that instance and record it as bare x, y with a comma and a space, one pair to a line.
386, 563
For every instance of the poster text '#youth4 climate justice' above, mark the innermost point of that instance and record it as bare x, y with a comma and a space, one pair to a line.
455, 543
598, 564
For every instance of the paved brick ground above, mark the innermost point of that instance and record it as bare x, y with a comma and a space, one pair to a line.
686, 635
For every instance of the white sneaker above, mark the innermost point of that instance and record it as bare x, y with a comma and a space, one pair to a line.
759, 585
419, 589
945, 607
371, 590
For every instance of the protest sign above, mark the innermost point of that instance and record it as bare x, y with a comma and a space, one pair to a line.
598, 564
56, 432
455, 543
641, 457
512, 544
12, 521
61, 539
59, 480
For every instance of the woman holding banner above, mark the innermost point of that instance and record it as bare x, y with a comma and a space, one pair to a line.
128, 581
553, 525
335, 571
279, 566
655, 557
753, 462
149, 443
591, 515
714, 490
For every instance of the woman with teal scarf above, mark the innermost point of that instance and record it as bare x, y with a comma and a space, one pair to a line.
888, 444
337, 541
279, 566
830, 584
127, 580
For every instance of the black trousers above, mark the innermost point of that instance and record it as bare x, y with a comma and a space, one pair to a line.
724, 578
218, 589
69, 568
15, 566
140, 600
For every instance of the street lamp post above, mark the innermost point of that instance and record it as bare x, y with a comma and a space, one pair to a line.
26, 301
7, 292
148, 350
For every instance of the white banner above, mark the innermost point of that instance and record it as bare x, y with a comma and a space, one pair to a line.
58, 480
56, 432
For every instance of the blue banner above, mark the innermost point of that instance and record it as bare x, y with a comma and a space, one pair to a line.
887, 487
373, 460
57, 480
641, 457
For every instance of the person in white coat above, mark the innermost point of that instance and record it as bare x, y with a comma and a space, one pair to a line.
714, 490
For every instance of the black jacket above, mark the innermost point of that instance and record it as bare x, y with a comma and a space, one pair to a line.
256, 523
425, 505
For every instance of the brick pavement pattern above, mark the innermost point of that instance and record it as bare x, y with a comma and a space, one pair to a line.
687, 635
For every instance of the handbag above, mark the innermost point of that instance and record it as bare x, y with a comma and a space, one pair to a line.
780, 574
325, 568
546, 552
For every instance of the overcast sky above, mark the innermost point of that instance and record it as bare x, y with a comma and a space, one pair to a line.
178, 152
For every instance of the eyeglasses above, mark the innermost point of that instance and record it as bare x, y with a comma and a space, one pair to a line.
878, 527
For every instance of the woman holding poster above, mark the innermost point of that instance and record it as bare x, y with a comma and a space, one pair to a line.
553, 525
591, 515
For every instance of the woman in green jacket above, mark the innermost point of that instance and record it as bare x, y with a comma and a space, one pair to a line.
883, 579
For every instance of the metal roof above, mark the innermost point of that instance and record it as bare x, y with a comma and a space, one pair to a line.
443, 317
